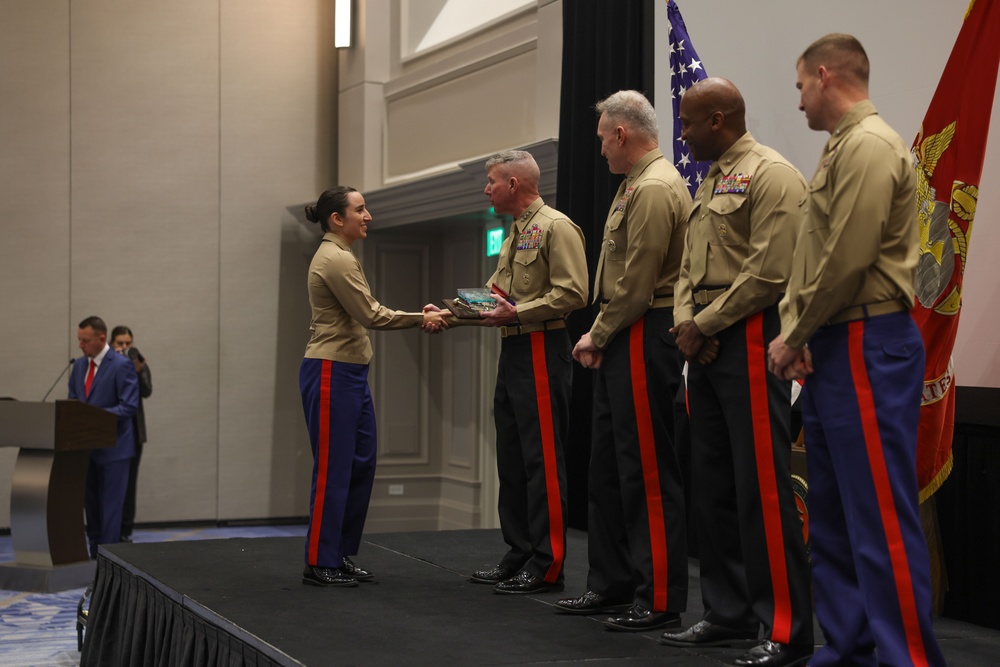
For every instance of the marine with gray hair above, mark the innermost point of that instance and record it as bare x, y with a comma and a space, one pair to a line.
636, 529
542, 270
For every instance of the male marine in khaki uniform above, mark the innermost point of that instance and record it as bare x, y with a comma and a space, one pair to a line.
543, 270
636, 533
738, 255
849, 297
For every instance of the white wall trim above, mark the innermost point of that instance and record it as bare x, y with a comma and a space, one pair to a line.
457, 190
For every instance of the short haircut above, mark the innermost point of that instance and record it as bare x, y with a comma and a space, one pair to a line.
522, 163
632, 110
841, 53
95, 323
121, 330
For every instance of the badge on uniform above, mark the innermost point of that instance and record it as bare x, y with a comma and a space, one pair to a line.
829, 158
624, 200
530, 239
734, 184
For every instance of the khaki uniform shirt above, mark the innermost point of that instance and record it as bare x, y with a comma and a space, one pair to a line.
343, 308
642, 246
741, 233
542, 265
858, 244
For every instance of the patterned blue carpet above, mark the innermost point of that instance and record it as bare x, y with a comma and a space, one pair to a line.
39, 629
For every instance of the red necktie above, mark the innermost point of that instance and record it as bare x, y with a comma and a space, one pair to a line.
90, 379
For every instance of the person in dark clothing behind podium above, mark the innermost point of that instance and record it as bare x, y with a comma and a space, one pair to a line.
121, 342
333, 380
108, 381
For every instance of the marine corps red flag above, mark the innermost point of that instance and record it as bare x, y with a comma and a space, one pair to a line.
948, 153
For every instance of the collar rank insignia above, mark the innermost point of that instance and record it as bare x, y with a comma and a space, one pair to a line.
624, 200
829, 158
530, 239
734, 184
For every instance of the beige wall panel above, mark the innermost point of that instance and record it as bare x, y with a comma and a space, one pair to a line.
278, 87
34, 207
476, 114
400, 281
548, 79
462, 393
460, 504
145, 210
416, 508
359, 127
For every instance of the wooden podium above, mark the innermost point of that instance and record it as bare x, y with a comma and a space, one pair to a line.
47, 487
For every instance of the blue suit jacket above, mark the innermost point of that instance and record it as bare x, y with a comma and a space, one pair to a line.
115, 388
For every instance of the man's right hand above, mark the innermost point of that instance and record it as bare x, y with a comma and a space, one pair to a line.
690, 339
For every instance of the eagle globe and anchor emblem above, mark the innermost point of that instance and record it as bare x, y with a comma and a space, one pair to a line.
942, 238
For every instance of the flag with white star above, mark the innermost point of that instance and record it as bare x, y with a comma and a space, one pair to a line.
685, 71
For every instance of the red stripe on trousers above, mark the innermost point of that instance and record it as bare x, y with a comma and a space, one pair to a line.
322, 461
883, 491
543, 401
760, 411
650, 469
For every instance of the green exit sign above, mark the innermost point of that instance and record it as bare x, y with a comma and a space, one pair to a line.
494, 239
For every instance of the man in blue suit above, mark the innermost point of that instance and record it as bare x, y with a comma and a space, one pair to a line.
105, 380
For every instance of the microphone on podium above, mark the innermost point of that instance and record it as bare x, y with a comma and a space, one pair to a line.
44, 398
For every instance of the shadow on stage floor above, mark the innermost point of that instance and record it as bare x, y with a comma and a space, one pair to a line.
241, 601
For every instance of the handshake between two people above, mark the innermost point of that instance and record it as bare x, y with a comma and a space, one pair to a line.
437, 320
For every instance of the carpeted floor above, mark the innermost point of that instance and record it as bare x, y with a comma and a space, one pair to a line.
39, 629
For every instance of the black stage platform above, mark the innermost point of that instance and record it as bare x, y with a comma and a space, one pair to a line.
240, 602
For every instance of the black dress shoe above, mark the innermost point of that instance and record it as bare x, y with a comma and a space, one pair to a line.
704, 633
327, 576
640, 619
773, 654
526, 582
493, 576
590, 603
356, 572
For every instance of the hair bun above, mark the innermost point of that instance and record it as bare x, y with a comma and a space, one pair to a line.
311, 215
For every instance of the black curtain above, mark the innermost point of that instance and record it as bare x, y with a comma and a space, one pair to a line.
968, 504
607, 46
133, 622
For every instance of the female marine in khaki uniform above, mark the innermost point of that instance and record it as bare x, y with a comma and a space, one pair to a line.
336, 399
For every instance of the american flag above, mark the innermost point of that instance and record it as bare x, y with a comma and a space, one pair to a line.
685, 71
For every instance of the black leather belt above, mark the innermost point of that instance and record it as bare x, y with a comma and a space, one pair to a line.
532, 328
